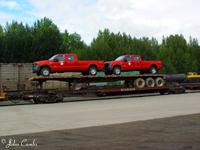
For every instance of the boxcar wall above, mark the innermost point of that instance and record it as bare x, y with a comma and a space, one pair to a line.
15, 76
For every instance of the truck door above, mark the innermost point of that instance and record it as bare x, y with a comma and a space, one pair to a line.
127, 63
71, 63
58, 62
136, 63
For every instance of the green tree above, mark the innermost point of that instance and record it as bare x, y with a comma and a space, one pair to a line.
1, 43
178, 54
47, 39
195, 53
72, 43
16, 42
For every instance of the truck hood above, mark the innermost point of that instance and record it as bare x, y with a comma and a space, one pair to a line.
42, 62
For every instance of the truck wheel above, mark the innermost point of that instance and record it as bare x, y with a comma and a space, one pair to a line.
153, 70
139, 83
45, 71
150, 82
159, 82
116, 70
92, 70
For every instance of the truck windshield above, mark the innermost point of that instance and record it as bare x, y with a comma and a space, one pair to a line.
120, 58
53, 57
58, 57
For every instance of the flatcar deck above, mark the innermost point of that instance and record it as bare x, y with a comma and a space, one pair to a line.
81, 78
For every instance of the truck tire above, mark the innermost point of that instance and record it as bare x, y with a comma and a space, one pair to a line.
92, 70
153, 70
45, 71
139, 83
159, 82
150, 82
116, 70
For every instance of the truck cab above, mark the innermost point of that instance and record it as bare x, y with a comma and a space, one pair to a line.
132, 63
62, 62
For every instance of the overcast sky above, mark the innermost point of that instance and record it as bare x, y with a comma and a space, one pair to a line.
138, 18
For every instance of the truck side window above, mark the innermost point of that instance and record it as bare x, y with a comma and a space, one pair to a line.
136, 58
60, 58
71, 57
128, 58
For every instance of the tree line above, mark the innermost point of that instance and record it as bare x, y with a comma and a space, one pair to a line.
21, 43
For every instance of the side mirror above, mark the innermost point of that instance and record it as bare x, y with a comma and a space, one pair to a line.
56, 60
125, 60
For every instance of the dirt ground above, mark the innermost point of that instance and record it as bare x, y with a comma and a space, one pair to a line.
175, 133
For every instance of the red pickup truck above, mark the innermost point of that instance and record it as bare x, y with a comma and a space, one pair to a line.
130, 63
67, 63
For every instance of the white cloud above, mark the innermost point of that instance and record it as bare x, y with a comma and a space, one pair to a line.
4, 17
9, 4
136, 17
